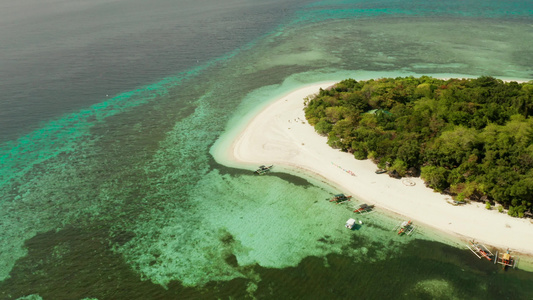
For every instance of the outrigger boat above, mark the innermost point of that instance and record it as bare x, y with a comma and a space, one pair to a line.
406, 227
480, 250
381, 171
263, 169
506, 260
340, 198
364, 208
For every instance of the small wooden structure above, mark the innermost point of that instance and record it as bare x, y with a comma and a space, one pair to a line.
350, 224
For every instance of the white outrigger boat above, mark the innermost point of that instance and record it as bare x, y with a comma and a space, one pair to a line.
480, 250
405, 227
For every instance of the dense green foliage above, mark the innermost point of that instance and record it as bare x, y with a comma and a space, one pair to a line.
471, 138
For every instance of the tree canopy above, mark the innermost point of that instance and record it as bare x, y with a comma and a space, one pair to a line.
471, 138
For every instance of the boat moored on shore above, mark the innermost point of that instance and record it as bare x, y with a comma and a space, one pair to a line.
480, 250
340, 198
263, 169
364, 208
406, 227
506, 260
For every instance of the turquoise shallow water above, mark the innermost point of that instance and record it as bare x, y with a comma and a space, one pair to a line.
123, 199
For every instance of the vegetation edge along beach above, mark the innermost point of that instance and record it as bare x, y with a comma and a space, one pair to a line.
468, 138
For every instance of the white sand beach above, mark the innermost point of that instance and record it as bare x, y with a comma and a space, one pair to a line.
280, 135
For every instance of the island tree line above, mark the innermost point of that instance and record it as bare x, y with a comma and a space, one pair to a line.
470, 138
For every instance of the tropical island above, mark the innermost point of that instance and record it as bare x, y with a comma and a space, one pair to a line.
279, 134
468, 138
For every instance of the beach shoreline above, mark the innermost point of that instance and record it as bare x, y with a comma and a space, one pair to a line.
280, 135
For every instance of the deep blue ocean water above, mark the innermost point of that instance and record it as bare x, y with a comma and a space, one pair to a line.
109, 109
